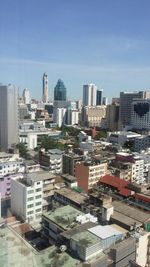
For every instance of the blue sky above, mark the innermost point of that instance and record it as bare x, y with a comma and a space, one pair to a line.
106, 42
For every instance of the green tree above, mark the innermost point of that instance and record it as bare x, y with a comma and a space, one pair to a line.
22, 150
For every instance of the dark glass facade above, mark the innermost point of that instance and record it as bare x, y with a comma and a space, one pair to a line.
60, 91
99, 98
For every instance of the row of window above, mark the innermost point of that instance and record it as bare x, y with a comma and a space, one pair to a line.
32, 205
31, 212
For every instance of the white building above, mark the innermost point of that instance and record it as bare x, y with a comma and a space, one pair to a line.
51, 160
140, 114
60, 116
26, 198
26, 96
121, 137
72, 116
10, 163
138, 170
89, 95
8, 116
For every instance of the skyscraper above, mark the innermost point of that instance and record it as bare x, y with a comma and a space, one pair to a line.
60, 92
8, 116
99, 97
126, 99
26, 96
89, 95
45, 88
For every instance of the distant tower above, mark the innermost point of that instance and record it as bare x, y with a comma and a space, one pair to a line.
60, 92
26, 96
45, 88
99, 97
89, 95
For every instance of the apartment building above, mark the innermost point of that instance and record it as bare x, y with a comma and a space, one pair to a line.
89, 173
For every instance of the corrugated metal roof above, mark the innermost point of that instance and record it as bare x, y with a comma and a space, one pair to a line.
104, 232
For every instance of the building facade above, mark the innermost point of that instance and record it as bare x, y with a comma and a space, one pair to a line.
93, 115
140, 114
8, 117
126, 99
60, 92
99, 97
45, 88
26, 96
89, 95
89, 173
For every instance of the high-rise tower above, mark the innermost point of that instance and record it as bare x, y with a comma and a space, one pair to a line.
45, 88
60, 91
89, 95
26, 96
8, 116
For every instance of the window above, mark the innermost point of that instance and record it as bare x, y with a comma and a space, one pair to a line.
30, 206
30, 191
38, 183
30, 199
30, 212
38, 190
38, 203
37, 197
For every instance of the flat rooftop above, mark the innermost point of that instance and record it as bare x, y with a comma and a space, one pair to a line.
64, 217
86, 239
14, 251
40, 175
72, 195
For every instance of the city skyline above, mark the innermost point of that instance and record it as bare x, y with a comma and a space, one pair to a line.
79, 42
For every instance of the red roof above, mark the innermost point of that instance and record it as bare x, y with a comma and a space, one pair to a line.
125, 192
142, 197
114, 181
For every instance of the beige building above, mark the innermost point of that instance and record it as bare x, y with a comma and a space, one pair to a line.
89, 173
93, 115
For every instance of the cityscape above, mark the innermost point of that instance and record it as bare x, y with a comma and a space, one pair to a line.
75, 157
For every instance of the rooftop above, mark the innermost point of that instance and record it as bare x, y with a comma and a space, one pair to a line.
40, 175
104, 231
64, 217
86, 239
14, 251
131, 212
72, 195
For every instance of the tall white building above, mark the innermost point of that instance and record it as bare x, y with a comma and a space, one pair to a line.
60, 116
89, 95
45, 88
8, 116
26, 198
72, 116
26, 96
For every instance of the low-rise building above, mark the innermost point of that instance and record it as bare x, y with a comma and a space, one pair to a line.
51, 160
10, 163
69, 162
26, 199
88, 173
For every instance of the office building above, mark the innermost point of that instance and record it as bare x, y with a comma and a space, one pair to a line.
26, 96
99, 97
45, 88
126, 99
89, 95
105, 101
8, 116
72, 116
140, 114
60, 116
112, 117
60, 92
